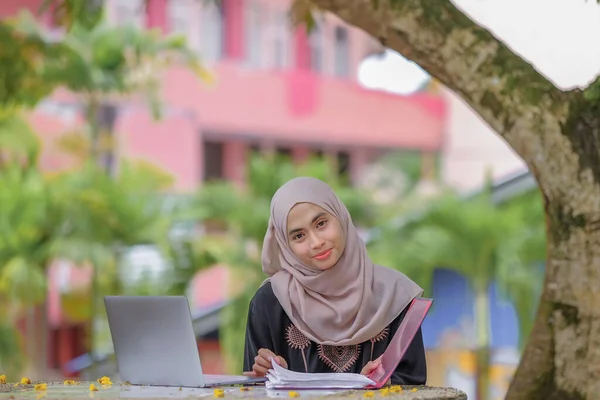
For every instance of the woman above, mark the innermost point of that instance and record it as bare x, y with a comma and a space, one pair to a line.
326, 307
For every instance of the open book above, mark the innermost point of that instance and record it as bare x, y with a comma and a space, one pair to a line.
282, 378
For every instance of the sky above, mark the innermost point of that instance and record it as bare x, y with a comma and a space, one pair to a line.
561, 38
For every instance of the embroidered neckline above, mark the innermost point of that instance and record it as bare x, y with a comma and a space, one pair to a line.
296, 340
381, 336
339, 358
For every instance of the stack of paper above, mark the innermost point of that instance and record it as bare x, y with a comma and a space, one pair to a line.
281, 378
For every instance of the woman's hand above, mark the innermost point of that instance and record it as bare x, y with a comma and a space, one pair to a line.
262, 363
371, 367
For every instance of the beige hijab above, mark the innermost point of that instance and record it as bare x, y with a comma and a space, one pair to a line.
347, 304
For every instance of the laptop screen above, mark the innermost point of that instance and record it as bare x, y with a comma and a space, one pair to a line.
402, 339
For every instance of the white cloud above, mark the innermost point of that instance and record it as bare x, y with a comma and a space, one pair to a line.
391, 72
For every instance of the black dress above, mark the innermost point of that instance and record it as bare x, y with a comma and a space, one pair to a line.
269, 327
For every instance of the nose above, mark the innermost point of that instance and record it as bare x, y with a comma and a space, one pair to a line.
315, 241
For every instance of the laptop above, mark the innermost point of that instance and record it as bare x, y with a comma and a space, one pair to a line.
155, 344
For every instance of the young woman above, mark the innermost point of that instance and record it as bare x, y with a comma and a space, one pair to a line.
326, 307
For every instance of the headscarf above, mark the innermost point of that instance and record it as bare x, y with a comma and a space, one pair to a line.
347, 304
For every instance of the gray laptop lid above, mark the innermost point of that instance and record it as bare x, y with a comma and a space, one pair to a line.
154, 340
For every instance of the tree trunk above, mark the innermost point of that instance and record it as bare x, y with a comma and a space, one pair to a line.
562, 358
91, 112
482, 353
558, 135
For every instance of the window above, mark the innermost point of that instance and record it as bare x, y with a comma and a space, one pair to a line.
128, 12
315, 41
178, 14
341, 52
343, 163
281, 40
213, 27
254, 33
284, 152
107, 115
213, 161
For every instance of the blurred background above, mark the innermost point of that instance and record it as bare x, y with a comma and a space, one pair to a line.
140, 146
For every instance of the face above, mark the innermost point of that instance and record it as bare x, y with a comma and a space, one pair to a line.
315, 236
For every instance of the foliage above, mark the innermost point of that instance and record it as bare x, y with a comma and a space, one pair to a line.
119, 60
18, 142
24, 56
67, 13
482, 241
485, 243
82, 216
244, 213
11, 352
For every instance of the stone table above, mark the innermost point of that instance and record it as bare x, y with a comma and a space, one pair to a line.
81, 390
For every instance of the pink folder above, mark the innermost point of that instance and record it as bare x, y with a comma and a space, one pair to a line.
406, 332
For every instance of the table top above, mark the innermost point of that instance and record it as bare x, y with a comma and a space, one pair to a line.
82, 390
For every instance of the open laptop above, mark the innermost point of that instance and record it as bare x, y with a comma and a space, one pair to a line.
155, 344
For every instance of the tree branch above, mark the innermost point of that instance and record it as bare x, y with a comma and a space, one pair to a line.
499, 85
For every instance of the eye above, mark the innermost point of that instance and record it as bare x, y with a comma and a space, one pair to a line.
321, 223
297, 236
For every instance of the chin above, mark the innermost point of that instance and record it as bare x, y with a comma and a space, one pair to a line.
327, 265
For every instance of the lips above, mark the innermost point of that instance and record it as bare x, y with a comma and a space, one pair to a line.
323, 255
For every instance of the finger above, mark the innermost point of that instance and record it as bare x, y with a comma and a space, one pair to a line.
260, 371
262, 362
249, 373
266, 353
368, 368
279, 360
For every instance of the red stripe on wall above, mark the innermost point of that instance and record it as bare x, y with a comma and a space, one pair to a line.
233, 11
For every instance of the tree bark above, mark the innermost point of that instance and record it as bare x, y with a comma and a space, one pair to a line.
482, 352
558, 136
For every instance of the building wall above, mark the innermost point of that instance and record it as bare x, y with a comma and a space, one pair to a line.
471, 147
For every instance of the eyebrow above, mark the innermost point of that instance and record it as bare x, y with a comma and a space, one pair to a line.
316, 217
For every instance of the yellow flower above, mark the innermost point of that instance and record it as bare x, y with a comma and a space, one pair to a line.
41, 386
2, 378
245, 389
93, 388
25, 381
384, 391
369, 394
219, 393
413, 390
69, 382
396, 389
105, 380
294, 394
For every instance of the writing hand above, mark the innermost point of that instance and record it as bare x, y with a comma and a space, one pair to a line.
262, 363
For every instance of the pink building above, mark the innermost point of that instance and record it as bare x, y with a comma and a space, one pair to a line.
278, 89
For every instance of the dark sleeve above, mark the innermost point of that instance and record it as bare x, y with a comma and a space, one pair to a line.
258, 333
412, 369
